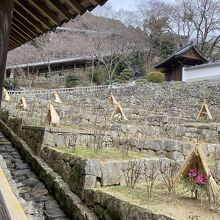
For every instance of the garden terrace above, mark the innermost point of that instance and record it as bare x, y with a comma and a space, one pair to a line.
161, 118
78, 150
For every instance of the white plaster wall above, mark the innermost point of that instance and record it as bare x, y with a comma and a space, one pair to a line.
204, 73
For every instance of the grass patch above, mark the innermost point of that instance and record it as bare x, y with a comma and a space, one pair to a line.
106, 153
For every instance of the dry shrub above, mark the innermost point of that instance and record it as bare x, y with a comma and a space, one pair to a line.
132, 172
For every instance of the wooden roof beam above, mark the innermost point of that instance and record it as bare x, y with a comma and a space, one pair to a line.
61, 8
19, 21
77, 7
46, 11
94, 2
25, 16
18, 38
23, 30
98, 2
14, 40
22, 35
34, 13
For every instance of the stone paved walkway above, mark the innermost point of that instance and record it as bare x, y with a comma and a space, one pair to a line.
41, 204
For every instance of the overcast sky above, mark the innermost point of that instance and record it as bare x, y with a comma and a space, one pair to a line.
125, 4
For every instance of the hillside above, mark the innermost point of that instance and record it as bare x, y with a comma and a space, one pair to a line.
80, 37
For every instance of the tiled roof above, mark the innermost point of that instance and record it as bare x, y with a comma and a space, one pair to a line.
210, 64
178, 53
51, 62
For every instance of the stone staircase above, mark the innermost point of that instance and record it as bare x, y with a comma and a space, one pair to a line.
39, 203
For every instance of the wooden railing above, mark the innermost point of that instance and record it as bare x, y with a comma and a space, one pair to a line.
68, 90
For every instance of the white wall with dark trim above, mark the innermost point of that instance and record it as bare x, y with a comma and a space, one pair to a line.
208, 71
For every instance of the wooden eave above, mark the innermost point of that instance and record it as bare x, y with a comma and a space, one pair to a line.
180, 55
32, 18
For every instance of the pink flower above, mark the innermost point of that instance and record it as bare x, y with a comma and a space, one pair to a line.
201, 180
193, 173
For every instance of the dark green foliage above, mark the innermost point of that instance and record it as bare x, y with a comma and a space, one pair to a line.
135, 61
125, 76
156, 77
10, 84
71, 81
167, 47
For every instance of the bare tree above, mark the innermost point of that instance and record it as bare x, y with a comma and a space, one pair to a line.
42, 50
28, 74
154, 21
203, 18
110, 51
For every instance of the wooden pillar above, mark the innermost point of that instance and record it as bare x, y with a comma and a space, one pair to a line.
6, 7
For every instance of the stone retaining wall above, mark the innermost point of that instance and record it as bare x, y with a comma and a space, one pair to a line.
119, 135
172, 99
108, 207
82, 173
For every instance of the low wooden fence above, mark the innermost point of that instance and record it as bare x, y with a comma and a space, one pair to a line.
68, 90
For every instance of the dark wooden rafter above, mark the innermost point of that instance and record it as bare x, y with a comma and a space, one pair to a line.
20, 22
62, 9
13, 43
35, 14
45, 10
24, 30
32, 18
14, 39
17, 38
19, 33
76, 6
94, 2
28, 19
98, 2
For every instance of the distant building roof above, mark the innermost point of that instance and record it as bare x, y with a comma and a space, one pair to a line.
51, 62
32, 18
210, 64
176, 55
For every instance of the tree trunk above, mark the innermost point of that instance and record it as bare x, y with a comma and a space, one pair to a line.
6, 7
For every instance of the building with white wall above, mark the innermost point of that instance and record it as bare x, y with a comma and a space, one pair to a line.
208, 71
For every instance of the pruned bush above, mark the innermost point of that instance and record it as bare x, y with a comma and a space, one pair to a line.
132, 172
168, 171
150, 174
155, 77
